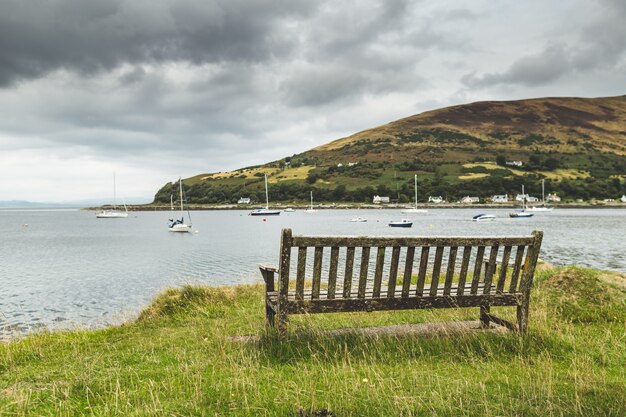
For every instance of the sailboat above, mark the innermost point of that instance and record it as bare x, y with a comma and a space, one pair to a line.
311, 209
180, 225
266, 211
518, 214
114, 213
542, 207
415, 210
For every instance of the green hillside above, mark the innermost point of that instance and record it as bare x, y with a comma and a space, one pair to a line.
577, 144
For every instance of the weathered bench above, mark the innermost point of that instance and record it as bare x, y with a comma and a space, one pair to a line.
492, 271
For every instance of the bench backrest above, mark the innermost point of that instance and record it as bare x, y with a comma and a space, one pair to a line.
385, 266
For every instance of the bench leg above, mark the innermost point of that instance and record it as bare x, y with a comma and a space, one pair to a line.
282, 322
270, 316
522, 317
484, 316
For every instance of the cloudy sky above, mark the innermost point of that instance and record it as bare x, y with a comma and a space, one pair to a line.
154, 89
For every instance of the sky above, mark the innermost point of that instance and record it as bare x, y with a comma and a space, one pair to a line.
156, 89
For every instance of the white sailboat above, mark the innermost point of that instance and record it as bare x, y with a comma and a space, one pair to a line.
266, 211
415, 210
180, 225
113, 213
520, 214
311, 209
542, 207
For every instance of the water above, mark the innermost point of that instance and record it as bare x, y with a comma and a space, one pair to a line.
63, 269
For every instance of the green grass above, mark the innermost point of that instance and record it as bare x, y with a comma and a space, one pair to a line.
178, 359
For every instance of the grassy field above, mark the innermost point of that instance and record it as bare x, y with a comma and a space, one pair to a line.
179, 358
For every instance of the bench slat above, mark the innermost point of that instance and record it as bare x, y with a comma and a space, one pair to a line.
365, 261
504, 265
517, 267
347, 277
491, 268
436, 270
378, 275
467, 251
405, 241
332, 272
317, 271
393, 271
421, 278
450, 270
301, 270
477, 268
408, 271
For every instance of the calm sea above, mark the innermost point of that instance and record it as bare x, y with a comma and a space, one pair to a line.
62, 269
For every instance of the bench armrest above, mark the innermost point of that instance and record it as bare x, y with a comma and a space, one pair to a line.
268, 271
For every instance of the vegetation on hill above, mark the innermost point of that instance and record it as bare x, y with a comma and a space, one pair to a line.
578, 145
180, 358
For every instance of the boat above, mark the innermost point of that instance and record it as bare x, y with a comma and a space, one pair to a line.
265, 211
288, 210
483, 217
358, 220
520, 214
414, 210
113, 213
542, 207
180, 225
311, 209
401, 223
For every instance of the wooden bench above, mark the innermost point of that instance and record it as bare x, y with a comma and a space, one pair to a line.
429, 277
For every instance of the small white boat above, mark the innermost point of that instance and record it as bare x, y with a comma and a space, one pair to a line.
113, 213
401, 223
542, 207
180, 225
483, 217
414, 210
521, 214
288, 210
358, 220
311, 209
265, 211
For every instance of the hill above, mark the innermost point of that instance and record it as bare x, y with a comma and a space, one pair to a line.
577, 144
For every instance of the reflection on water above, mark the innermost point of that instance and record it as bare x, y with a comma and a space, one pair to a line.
60, 269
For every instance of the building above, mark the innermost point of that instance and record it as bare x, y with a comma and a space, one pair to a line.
437, 199
243, 201
380, 200
469, 200
514, 163
501, 198
623, 199
553, 198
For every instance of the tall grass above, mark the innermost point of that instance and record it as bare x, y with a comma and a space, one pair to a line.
180, 358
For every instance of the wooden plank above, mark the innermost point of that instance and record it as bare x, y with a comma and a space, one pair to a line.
347, 277
285, 261
378, 275
504, 265
450, 270
477, 268
365, 261
434, 283
421, 277
332, 272
467, 250
517, 267
399, 303
408, 271
317, 271
527, 280
406, 241
301, 270
491, 268
393, 271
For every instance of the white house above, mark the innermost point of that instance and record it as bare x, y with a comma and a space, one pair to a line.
553, 197
339, 165
501, 198
351, 164
378, 200
243, 200
470, 200
514, 163
623, 199
522, 197
437, 199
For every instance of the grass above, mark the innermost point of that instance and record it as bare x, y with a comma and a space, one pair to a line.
178, 359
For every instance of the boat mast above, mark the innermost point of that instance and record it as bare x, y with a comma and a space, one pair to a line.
114, 196
415, 191
523, 198
311, 200
180, 183
543, 195
267, 199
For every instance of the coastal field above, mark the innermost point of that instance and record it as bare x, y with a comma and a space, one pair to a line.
185, 355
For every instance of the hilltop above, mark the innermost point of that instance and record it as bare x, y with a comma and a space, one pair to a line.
577, 144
